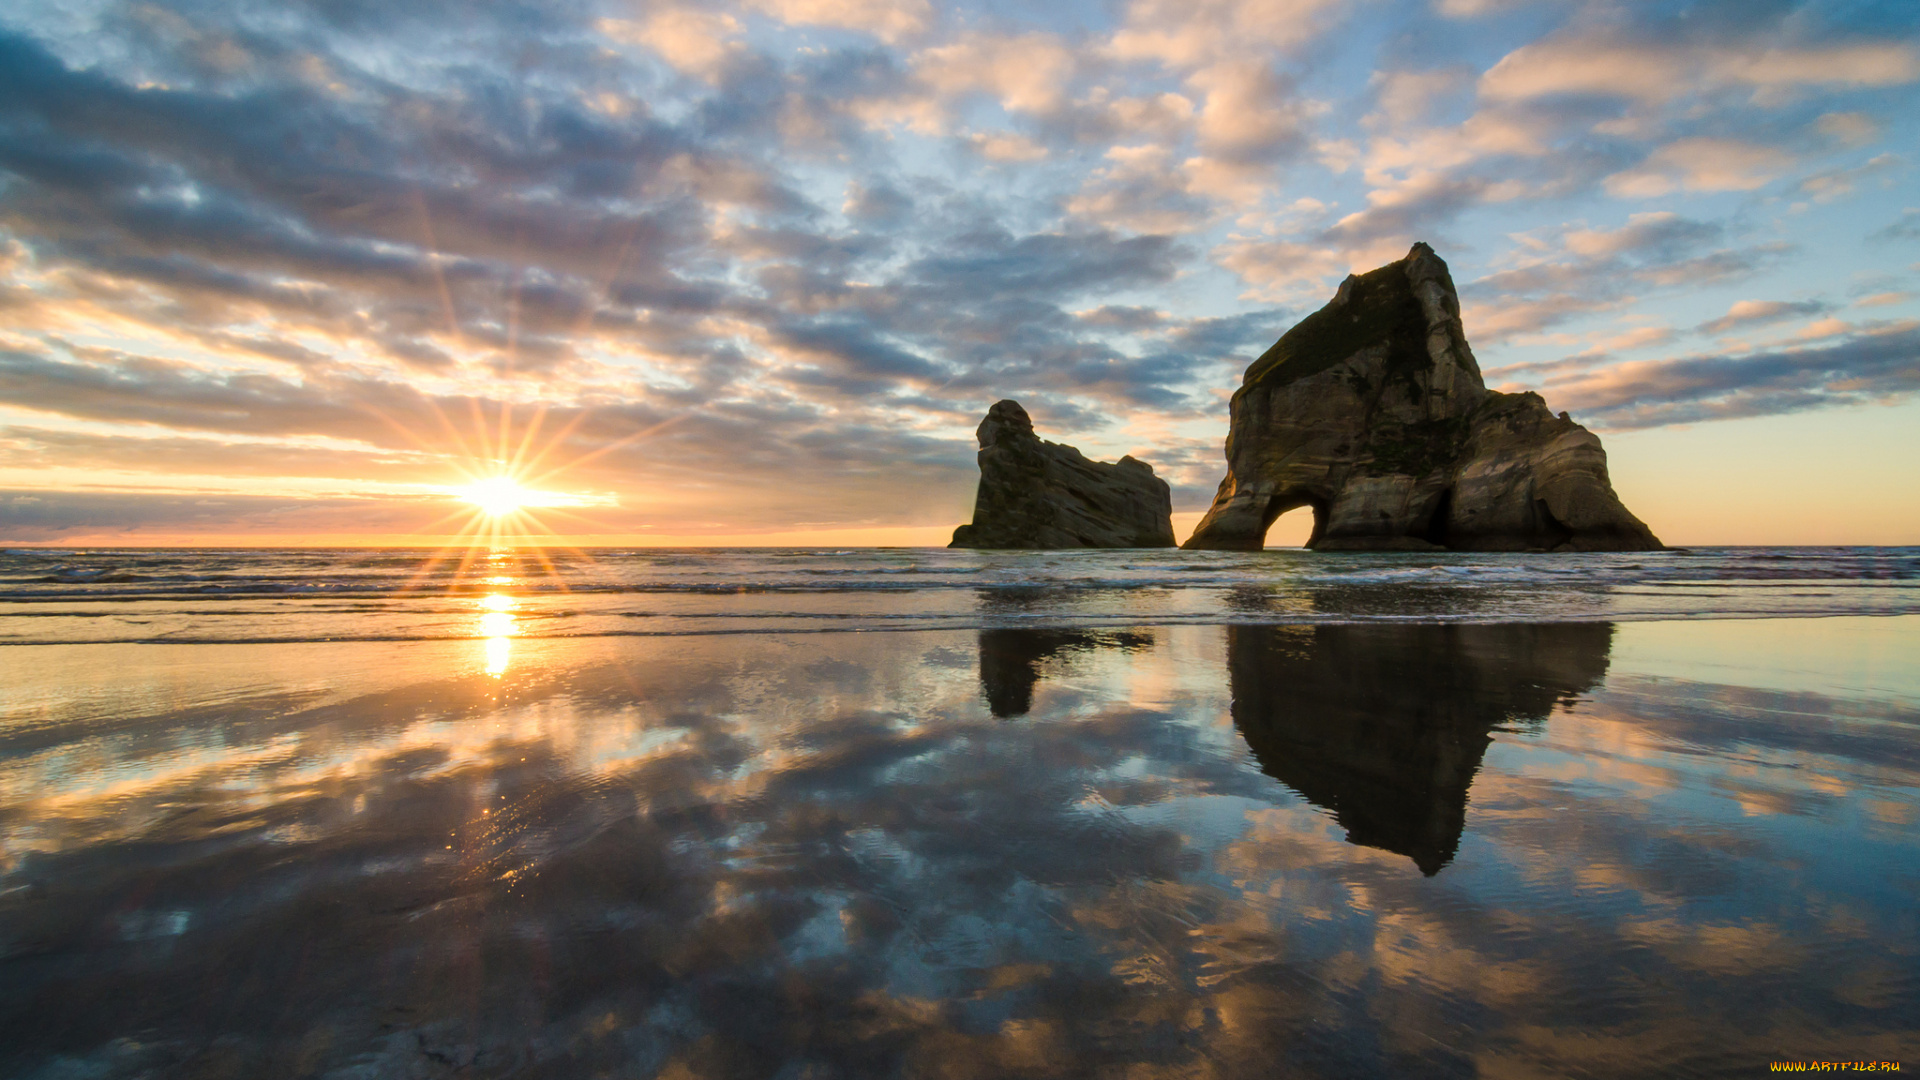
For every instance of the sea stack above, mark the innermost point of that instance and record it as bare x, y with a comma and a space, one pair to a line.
1373, 413
1036, 494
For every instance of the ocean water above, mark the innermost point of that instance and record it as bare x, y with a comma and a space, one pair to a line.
49, 596
957, 814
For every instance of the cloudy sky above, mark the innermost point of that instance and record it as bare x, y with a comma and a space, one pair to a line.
751, 272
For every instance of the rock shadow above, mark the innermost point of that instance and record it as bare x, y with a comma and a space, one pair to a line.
1385, 725
1011, 659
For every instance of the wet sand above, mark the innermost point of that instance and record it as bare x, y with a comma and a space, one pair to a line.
1574, 849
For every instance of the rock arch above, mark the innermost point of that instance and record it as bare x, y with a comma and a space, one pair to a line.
1286, 502
1373, 410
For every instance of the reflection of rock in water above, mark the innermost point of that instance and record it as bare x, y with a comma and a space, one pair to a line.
1386, 725
1010, 660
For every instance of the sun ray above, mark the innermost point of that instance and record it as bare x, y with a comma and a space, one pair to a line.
422, 444
478, 413
612, 446
529, 467
592, 301
433, 260
517, 464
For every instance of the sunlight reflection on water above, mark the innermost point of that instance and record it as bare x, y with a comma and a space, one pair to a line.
497, 626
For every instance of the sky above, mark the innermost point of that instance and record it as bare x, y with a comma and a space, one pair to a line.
751, 273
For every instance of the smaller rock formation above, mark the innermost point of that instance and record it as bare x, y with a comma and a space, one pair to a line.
1036, 494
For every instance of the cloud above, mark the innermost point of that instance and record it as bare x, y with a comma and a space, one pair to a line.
1635, 111
1757, 312
1511, 318
1848, 129
1275, 269
1839, 183
1571, 112
1884, 299
1661, 234
293, 464
1140, 190
1006, 146
1395, 212
889, 20
1473, 9
1638, 338
1907, 227
1194, 34
1249, 114
49, 516
1873, 365
1406, 98
1583, 271
1656, 72
1024, 73
695, 41
982, 266
1824, 328
881, 204
1699, 164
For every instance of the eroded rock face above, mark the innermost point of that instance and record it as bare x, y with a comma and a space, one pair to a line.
1372, 411
1037, 494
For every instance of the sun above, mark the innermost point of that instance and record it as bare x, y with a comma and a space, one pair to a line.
499, 496
499, 507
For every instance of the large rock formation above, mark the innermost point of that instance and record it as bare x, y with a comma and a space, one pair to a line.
1372, 412
1036, 494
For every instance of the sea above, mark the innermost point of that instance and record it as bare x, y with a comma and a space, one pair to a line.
237, 595
808, 813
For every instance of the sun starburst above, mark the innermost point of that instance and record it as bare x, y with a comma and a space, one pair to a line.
498, 496
512, 506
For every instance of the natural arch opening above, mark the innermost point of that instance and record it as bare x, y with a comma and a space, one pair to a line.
1549, 533
1293, 523
1439, 520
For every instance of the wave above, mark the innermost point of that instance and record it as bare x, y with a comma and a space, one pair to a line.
229, 595
879, 624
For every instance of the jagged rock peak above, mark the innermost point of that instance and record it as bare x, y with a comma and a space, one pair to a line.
1038, 494
1408, 308
1372, 411
1006, 419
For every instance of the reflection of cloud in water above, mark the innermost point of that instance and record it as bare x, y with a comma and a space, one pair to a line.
821, 854
1385, 724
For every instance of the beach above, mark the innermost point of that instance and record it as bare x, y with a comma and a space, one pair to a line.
906, 813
